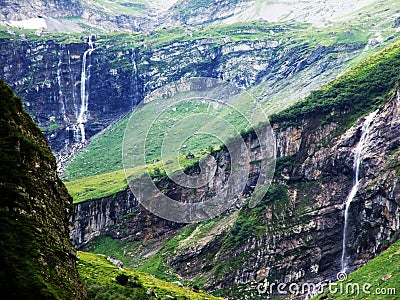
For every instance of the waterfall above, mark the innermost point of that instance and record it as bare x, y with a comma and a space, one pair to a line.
85, 74
356, 180
135, 84
61, 98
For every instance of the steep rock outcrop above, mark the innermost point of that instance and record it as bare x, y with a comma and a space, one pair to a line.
78, 16
91, 218
121, 215
37, 259
48, 74
303, 216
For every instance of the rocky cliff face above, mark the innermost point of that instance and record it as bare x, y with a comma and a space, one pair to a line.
202, 12
121, 215
92, 218
303, 238
38, 260
118, 74
49, 75
83, 16
77, 15
302, 216
22, 10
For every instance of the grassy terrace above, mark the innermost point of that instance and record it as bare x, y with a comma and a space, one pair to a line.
107, 184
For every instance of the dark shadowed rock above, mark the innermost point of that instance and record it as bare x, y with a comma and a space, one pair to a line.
37, 260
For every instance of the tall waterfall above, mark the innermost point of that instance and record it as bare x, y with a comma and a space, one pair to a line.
356, 180
85, 74
134, 85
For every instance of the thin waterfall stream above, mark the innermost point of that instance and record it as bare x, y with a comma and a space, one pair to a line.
85, 74
358, 157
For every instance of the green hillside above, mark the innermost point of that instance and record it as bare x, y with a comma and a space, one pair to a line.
105, 280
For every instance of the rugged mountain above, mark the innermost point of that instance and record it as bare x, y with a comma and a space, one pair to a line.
283, 62
50, 72
317, 12
22, 10
201, 12
75, 16
296, 233
205, 11
37, 259
77, 87
102, 16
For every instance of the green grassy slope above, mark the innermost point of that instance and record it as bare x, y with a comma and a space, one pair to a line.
359, 90
101, 279
378, 279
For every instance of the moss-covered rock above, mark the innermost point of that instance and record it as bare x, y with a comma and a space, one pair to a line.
37, 260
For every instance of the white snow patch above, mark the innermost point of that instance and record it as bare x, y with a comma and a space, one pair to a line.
34, 23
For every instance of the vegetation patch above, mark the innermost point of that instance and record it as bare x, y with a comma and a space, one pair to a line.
107, 281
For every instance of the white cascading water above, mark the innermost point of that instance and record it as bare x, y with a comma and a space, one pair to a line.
61, 98
356, 180
85, 74
135, 94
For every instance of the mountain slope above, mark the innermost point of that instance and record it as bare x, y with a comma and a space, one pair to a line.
376, 75
37, 260
278, 63
140, 15
317, 12
299, 223
106, 281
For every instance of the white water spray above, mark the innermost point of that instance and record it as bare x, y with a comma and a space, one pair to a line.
85, 74
356, 180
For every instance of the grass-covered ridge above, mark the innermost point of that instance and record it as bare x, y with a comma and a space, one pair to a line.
361, 89
106, 184
106, 281
380, 278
